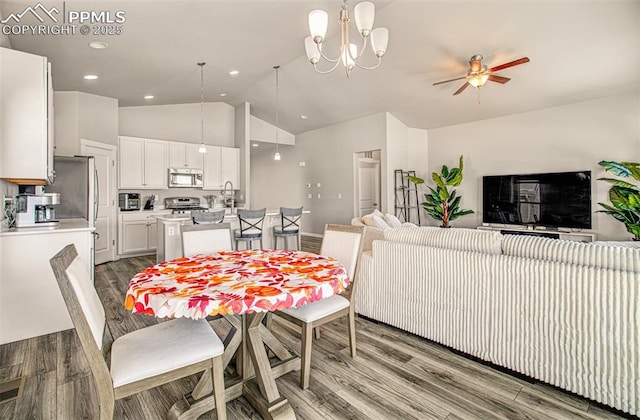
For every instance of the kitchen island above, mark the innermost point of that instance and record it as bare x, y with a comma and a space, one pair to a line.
170, 240
30, 301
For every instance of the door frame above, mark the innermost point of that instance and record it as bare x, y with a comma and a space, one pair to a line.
113, 216
357, 158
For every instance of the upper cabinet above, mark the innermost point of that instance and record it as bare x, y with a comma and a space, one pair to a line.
185, 155
143, 163
26, 119
221, 164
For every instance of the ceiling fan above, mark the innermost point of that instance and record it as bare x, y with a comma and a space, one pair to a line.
478, 73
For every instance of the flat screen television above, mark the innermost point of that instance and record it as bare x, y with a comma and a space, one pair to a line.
555, 200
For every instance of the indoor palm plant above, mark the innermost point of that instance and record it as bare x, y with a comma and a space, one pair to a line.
443, 203
624, 196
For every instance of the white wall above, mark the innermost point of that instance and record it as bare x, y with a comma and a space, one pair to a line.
567, 138
397, 152
265, 132
328, 155
242, 132
180, 122
6, 188
81, 115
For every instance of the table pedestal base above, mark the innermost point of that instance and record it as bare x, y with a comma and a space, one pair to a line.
257, 376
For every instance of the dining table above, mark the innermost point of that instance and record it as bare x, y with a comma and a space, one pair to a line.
242, 286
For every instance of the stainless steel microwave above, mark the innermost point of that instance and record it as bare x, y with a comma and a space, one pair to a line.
185, 178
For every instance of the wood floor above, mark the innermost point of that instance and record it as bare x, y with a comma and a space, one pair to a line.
395, 375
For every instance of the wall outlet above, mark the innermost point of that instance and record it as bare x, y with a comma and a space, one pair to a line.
339, 196
318, 185
318, 196
309, 196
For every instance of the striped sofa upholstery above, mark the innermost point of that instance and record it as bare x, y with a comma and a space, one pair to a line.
572, 321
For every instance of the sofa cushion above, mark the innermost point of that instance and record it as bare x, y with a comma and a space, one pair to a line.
452, 238
374, 221
580, 253
392, 220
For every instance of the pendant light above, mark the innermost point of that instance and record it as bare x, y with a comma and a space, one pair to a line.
276, 156
202, 148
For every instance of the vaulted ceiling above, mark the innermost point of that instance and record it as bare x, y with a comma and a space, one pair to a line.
579, 50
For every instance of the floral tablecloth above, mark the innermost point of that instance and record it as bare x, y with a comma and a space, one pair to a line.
234, 282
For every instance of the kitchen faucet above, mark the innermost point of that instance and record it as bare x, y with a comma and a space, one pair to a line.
224, 194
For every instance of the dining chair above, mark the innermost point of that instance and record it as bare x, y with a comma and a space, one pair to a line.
289, 226
205, 239
250, 226
342, 243
203, 217
139, 360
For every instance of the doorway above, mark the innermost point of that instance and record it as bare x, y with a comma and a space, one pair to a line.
105, 160
366, 182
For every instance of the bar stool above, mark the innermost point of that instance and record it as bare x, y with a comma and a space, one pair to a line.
250, 226
290, 226
202, 217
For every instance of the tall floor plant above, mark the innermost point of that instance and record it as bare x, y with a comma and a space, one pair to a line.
443, 202
624, 196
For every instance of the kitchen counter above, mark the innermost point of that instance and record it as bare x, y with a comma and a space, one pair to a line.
65, 226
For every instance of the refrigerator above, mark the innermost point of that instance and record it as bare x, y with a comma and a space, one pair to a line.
77, 182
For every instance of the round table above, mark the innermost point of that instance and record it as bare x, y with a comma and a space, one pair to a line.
245, 283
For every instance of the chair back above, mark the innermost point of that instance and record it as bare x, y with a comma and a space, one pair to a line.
205, 238
290, 219
203, 217
251, 222
343, 242
86, 311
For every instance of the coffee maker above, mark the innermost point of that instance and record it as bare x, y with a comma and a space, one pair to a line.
36, 210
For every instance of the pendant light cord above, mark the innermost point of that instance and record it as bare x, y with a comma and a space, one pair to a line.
277, 119
202, 102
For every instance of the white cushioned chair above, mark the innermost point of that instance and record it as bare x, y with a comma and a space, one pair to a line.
342, 243
205, 238
142, 359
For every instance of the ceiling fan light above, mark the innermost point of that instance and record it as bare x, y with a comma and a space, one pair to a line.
318, 22
478, 80
365, 14
311, 48
379, 41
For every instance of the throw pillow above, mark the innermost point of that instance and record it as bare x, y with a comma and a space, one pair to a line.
392, 220
374, 221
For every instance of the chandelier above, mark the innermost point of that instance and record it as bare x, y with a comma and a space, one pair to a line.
364, 13
276, 156
202, 148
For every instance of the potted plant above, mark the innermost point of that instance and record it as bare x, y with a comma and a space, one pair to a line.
624, 196
443, 203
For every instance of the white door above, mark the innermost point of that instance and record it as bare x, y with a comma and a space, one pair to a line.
368, 185
105, 160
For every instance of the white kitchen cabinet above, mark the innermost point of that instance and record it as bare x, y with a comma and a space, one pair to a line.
26, 120
185, 155
30, 300
137, 232
143, 163
221, 164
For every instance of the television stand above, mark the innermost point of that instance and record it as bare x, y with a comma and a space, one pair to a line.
547, 233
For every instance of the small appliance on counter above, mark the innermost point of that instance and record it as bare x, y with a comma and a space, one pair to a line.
36, 210
129, 201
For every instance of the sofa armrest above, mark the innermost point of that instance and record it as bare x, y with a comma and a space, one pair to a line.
371, 234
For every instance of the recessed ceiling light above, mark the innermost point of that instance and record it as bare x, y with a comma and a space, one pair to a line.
255, 145
149, 97
223, 94
234, 72
98, 45
90, 77
304, 117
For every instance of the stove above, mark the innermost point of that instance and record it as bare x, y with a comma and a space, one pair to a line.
182, 205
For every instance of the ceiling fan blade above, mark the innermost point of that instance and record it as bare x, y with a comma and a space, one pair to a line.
498, 79
463, 87
509, 64
450, 80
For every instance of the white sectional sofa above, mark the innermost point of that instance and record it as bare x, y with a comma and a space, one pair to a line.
566, 313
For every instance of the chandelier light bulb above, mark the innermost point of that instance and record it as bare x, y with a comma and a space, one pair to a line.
365, 14
313, 54
318, 22
379, 41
